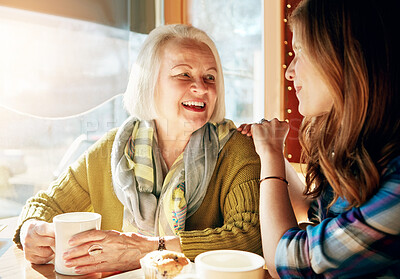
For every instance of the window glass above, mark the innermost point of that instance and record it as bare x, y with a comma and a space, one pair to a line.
34, 151
236, 28
50, 58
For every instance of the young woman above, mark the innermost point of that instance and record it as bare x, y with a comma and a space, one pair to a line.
346, 73
175, 175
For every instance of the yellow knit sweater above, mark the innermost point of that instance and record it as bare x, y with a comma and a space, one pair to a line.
227, 218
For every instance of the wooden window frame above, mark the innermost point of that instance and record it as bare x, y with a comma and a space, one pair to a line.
278, 54
279, 99
176, 11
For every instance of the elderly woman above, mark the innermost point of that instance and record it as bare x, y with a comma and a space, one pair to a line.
175, 174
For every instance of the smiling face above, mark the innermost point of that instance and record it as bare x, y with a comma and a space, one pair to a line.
186, 87
311, 89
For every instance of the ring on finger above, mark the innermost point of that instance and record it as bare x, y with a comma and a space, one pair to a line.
262, 121
95, 249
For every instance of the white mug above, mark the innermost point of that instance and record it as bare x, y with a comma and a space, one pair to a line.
229, 264
66, 225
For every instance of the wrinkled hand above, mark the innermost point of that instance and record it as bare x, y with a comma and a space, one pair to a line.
268, 136
120, 251
37, 239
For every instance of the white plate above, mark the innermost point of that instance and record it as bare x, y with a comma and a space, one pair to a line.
138, 274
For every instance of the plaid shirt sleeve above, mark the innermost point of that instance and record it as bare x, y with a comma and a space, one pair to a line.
364, 240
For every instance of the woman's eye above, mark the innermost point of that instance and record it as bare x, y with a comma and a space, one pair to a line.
185, 75
209, 78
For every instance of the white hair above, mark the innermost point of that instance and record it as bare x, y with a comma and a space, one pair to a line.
140, 93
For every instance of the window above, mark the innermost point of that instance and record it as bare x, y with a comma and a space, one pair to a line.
57, 59
48, 61
236, 27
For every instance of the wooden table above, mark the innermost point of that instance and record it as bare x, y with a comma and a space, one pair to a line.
14, 266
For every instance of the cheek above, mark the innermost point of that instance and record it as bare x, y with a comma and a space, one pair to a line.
213, 92
328, 104
213, 100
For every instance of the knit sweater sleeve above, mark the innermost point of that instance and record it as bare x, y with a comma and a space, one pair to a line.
235, 184
64, 195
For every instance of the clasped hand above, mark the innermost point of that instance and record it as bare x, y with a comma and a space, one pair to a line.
268, 136
120, 251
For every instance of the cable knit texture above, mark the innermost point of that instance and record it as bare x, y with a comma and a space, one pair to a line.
227, 218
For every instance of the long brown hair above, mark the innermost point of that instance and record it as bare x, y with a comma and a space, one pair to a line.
352, 42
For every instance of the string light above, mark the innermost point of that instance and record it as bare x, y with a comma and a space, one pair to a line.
289, 88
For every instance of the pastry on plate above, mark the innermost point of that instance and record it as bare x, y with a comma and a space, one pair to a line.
163, 264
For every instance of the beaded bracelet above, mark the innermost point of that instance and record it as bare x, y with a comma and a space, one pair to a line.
161, 243
275, 177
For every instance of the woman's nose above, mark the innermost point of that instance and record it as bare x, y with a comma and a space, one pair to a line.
290, 74
199, 87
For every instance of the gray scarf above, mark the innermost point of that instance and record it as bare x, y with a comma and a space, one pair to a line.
154, 205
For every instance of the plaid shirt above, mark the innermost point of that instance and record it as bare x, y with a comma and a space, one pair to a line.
360, 242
